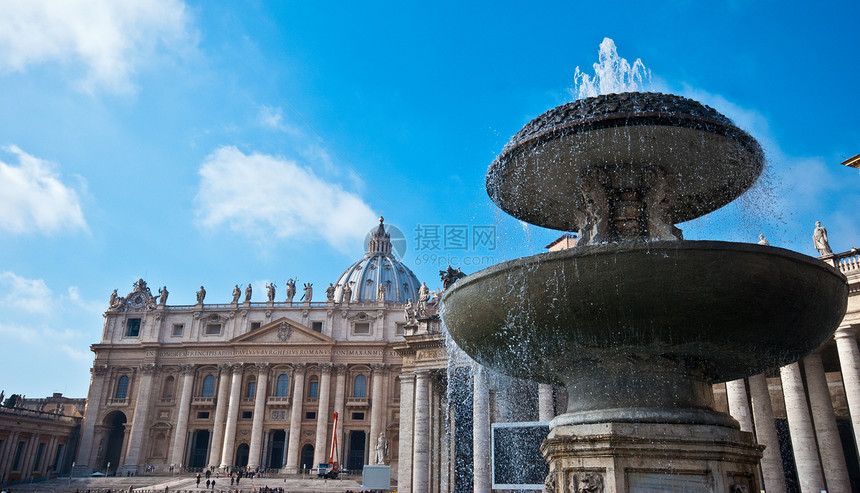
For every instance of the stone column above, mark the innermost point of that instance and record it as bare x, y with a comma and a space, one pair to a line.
802, 435
227, 455
47, 460
6, 458
849, 363
292, 463
829, 443
407, 402
773, 474
320, 448
260, 395
421, 436
220, 416
481, 432
138, 426
91, 412
546, 409
29, 456
339, 394
177, 455
377, 408
739, 408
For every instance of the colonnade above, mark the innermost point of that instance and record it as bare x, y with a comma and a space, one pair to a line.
818, 451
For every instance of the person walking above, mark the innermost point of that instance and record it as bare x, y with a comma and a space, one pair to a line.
198, 479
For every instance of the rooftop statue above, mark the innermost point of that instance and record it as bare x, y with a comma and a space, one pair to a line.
291, 290
201, 295
329, 292
162, 295
270, 291
236, 293
819, 237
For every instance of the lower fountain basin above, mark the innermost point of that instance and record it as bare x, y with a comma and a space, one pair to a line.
709, 311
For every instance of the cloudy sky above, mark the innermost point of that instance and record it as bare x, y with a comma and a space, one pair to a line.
218, 143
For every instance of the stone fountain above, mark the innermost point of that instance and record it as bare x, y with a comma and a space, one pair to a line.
636, 322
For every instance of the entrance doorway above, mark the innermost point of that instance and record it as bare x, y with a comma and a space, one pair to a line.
276, 449
355, 456
199, 446
242, 455
115, 423
307, 456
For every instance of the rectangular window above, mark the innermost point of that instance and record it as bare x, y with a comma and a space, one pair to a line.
252, 386
310, 415
313, 390
40, 452
203, 415
177, 330
247, 414
256, 325
398, 329
132, 327
362, 328
16, 464
213, 329
358, 416
317, 326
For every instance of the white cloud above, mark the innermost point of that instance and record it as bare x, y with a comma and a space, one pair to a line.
109, 38
33, 198
261, 195
17, 292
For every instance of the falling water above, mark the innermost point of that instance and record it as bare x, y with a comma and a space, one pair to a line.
612, 74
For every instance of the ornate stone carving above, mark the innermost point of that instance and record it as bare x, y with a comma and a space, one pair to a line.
549, 483
325, 367
285, 330
262, 367
224, 367
99, 370
149, 369
186, 369
237, 368
586, 482
299, 368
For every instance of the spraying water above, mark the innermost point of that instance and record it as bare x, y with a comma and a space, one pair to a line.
612, 74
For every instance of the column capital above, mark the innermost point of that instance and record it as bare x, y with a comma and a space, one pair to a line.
99, 370
339, 367
224, 367
325, 368
377, 367
185, 369
406, 377
149, 369
300, 368
237, 368
262, 367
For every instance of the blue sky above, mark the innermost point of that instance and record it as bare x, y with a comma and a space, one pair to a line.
219, 143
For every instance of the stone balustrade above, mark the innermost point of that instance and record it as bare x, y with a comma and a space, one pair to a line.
848, 262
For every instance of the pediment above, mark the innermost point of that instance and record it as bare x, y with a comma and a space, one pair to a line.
284, 331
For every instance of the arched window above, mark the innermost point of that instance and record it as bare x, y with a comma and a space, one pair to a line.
282, 389
313, 388
208, 386
167, 389
122, 388
359, 389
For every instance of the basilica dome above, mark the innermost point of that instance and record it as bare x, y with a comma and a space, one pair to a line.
379, 267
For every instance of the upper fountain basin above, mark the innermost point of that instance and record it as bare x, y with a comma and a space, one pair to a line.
706, 160
727, 310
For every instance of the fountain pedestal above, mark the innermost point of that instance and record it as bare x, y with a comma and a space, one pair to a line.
650, 457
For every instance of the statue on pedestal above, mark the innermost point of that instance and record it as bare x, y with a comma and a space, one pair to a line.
291, 290
236, 293
819, 237
329, 292
381, 449
270, 291
162, 295
248, 292
347, 292
309, 292
201, 295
